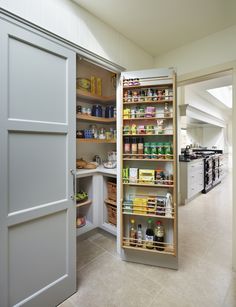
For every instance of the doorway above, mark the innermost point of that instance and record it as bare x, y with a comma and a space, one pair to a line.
206, 125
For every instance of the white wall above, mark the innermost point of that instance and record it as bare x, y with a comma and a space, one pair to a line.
68, 20
212, 50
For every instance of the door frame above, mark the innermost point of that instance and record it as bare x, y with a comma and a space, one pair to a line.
206, 74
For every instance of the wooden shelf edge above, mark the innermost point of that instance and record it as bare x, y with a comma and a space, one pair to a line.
148, 118
110, 201
96, 119
89, 96
87, 202
148, 250
148, 134
148, 102
150, 160
95, 141
149, 215
150, 185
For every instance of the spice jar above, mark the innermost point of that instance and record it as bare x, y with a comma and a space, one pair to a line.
153, 150
127, 148
140, 148
147, 150
134, 147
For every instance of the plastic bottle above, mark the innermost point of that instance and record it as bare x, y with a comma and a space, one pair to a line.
132, 233
139, 236
149, 235
159, 236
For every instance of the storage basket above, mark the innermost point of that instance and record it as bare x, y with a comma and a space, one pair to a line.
111, 190
111, 212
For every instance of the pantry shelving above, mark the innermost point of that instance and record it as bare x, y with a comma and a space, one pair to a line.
149, 135
90, 118
94, 98
95, 141
148, 102
84, 203
149, 185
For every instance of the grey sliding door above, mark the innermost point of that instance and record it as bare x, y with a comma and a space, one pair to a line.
37, 153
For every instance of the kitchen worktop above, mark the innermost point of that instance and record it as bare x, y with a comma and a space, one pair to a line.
101, 169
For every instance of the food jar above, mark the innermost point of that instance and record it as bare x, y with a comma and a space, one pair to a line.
97, 110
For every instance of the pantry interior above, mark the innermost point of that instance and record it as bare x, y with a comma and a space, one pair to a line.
126, 178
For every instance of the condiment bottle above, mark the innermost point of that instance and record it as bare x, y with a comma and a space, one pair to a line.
132, 233
127, 146
139, 236
166, 110
140, 147
159, 236
149, 235
134, 147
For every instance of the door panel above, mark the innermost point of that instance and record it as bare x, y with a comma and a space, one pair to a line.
24, 252
37, 141
28, 98
28, 152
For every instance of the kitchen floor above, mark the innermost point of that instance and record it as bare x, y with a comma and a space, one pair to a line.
204, 278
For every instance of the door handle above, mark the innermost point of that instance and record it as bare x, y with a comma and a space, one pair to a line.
73, 173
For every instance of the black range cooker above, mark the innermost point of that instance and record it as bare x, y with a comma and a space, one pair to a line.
212, 167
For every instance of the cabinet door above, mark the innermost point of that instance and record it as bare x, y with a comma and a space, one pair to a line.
37, 213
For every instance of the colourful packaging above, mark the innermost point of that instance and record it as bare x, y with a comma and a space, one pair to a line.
99, 86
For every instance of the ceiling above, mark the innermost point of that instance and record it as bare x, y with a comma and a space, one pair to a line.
158, 26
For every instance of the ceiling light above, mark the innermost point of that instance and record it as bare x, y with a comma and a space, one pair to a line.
223, 94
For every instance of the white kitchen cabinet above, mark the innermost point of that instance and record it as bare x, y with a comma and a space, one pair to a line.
191, 179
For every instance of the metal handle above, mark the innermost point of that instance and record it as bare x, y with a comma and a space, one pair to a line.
73, 173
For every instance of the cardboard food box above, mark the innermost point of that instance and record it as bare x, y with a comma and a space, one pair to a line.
146, 176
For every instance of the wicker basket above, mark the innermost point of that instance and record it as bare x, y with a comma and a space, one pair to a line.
111, 212
111, 190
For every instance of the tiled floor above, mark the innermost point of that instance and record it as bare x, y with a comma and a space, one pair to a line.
204, 278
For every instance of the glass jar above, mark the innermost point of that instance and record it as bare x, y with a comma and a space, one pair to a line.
153, 150
147, 150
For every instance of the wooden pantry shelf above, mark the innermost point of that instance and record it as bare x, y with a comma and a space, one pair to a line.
150, 160
95, 141
149, 215
111, 202
147, 118
96, 119
164, 85
95, 98
87, 202
148, 134
149, 185
147, 102
166, 251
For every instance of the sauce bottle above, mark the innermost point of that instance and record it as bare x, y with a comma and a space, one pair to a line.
149, 235
132, 233
159, 236
139, 236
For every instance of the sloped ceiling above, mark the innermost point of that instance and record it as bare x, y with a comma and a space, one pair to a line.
159, 26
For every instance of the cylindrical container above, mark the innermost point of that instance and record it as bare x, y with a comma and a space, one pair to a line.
127, 147
147, 150
133, 113
140, 148
134, 147
109, 112
153, 150
97, 110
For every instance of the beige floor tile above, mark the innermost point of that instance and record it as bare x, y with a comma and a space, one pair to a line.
107, 242
204, 277
86, 252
